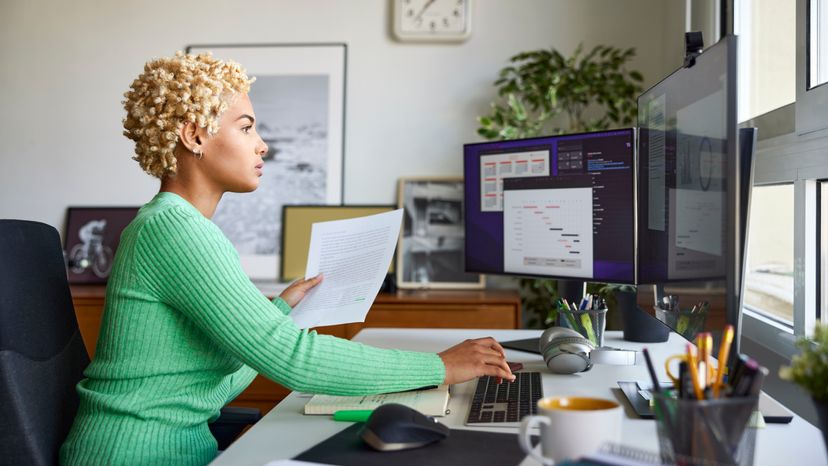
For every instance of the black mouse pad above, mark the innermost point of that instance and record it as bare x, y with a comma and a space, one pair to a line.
460, 447
529, 345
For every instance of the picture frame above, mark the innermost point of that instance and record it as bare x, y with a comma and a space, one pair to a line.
297, 223
299, 102
91, 240
430, 253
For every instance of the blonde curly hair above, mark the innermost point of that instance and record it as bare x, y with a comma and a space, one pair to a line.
172, 91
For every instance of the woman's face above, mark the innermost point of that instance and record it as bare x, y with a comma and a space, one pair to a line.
233, 156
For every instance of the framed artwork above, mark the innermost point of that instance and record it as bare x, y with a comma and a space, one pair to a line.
297, 221
299, 101
91, 239
431, 253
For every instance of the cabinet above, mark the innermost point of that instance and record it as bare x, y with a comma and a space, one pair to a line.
495, 309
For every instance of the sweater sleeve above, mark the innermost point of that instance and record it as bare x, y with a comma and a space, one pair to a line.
281, 305
189, 264
240, 380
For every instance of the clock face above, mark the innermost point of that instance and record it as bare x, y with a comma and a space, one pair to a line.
432, 19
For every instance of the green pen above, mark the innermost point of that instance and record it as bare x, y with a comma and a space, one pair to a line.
352, 415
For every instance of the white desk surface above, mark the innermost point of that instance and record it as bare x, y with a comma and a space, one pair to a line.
285, 432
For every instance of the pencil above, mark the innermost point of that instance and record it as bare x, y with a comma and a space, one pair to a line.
724, 352
692, 363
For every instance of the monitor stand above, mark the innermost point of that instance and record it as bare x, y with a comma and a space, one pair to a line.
572, 291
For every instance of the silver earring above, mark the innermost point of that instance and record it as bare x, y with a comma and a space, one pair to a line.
198, 154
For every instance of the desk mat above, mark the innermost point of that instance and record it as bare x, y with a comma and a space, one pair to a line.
461, 447
530, 345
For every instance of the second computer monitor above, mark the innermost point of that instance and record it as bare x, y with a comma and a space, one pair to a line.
556, 207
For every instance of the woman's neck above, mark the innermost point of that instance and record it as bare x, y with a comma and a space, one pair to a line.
200, 196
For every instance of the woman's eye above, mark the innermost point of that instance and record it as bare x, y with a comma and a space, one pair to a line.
246, 129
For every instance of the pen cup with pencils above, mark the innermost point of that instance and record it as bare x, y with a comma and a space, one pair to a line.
686, 322
590, 323
706, 432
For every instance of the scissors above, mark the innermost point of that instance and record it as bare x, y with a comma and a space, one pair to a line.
683, 358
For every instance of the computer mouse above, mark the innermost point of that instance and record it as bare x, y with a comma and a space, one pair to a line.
394, 427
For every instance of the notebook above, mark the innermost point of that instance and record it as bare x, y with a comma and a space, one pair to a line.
431, 402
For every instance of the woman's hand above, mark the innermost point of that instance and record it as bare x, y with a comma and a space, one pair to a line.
298, 289
473, 358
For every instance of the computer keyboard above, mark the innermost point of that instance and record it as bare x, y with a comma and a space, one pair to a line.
505, 404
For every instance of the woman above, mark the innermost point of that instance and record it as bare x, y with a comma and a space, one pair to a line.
184, 330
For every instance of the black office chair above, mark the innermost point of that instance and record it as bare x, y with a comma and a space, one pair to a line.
42, 355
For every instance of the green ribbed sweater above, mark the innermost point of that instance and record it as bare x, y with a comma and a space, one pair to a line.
185, 331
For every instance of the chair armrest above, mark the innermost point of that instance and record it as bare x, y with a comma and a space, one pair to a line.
231, 422
238, 415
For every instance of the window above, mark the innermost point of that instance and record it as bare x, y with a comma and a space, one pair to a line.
817, 43
767, 55
786, 262
769, 283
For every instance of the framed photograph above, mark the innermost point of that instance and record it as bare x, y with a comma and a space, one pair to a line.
91, 239
431, 249
299, 101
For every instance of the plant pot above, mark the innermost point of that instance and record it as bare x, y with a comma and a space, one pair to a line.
638, 325
822, 414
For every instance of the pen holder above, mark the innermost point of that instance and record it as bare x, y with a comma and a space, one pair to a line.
589, 323
683, 322
706, 432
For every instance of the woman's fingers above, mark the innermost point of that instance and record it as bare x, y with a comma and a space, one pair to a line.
498, 371
307, 284
474, 358
492, 343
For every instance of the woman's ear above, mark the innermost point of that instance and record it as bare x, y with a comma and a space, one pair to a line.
190, 137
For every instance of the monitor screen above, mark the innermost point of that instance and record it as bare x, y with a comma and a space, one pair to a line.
556, 207
686, 136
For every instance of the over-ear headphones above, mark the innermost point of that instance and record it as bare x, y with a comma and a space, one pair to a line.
565, 351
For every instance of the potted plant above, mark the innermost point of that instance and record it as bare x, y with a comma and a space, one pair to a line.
809, 370
593, 91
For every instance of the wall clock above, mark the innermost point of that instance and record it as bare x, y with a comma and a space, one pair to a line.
431, 20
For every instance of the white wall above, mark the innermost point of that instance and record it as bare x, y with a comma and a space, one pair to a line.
66, 64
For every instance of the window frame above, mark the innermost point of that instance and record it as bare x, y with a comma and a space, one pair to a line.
791, 148
808, 101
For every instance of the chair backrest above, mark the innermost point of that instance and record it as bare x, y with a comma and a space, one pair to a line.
42, 356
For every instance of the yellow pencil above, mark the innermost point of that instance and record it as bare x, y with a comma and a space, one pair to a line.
708, 355
692, 364
724, 352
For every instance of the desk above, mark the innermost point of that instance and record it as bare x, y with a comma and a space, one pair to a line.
285, 431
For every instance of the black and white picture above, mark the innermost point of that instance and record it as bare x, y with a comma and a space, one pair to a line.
430, 253
91, 239
298, 98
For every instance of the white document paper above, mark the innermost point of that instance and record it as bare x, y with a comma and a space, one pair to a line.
353, 257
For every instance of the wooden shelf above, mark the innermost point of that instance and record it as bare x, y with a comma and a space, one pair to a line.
495, 309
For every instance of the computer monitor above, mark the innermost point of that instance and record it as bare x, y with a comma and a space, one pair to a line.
687, 148
691, 183
553, 207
